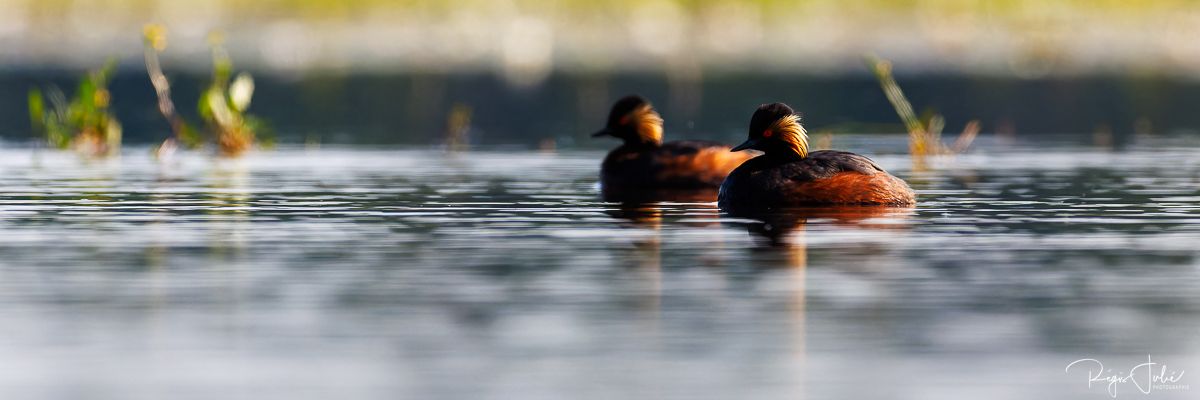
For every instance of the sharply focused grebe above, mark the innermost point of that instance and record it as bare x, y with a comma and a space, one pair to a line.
644, 162
787, 175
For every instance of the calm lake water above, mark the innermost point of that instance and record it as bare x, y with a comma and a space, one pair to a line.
417, 274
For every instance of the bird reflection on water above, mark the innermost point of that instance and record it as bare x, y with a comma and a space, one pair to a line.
644, 209
785, 228
780, 232
785, 231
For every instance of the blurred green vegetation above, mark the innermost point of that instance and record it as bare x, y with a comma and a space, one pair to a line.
83, 122
222, 104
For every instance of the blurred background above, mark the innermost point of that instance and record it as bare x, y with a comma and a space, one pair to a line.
538, 73
369, 264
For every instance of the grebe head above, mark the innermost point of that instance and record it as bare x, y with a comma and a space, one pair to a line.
633, 120
775, 130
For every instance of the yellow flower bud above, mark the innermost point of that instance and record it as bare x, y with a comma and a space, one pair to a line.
155, 35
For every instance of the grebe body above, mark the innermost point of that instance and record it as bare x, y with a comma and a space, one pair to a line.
788, 175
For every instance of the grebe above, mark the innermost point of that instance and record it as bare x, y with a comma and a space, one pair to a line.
787, 175
644, 162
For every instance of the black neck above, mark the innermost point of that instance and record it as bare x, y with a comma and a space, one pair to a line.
638, 143
779, 156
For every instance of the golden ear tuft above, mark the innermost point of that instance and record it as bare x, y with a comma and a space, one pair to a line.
790, 131
648, 124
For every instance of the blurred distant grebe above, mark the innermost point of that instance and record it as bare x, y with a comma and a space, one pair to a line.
643, 161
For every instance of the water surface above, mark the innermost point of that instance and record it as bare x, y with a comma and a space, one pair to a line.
503, 274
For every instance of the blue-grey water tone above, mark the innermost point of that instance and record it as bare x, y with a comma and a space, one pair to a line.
354, 273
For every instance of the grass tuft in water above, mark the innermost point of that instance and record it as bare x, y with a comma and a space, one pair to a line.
222, 105
84, 122
925, 132
154, 37
458, 126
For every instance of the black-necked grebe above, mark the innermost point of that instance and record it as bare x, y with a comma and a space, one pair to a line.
787, 175
645, 162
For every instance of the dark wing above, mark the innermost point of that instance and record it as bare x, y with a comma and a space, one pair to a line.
827, 163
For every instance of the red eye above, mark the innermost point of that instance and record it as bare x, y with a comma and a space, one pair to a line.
768, 133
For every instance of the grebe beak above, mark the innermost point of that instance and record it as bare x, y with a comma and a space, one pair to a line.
602, 132
748, 144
